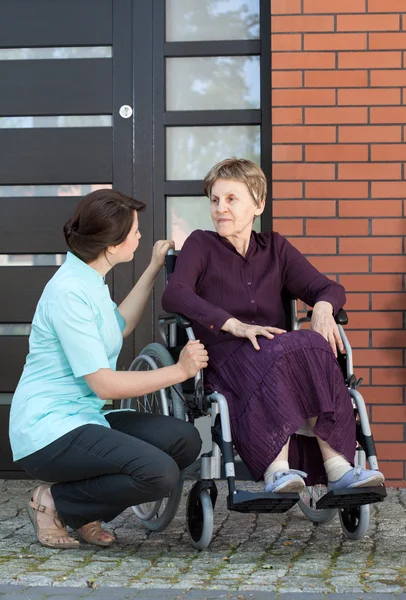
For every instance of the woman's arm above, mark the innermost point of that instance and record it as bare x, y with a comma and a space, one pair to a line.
132, 307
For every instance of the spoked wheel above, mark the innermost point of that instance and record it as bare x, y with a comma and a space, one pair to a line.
157, 515
355, 521
307, 503
199, 519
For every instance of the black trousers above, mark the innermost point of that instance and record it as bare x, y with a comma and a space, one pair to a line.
101, 471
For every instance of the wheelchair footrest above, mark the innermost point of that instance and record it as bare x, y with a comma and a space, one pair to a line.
352, 497
247, 502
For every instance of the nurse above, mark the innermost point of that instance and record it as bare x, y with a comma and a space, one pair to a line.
98, 463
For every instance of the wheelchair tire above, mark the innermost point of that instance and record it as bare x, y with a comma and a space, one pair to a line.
355, 521
307, 505
156, 516
200, 520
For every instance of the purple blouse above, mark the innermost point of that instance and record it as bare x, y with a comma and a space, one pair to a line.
212, 282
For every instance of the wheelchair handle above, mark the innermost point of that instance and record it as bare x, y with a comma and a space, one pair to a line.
170, 261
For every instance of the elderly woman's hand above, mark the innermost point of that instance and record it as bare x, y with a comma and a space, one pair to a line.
159, 252
250, 332
323, 322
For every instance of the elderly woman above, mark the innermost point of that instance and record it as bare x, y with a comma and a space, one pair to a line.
229, 283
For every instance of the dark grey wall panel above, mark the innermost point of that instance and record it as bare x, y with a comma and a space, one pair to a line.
6, 460
56, 87
34, 225
13, 351
24, 286
77, 155
25, 23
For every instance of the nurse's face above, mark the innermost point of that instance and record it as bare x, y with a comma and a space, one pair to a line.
232, 208
124, 252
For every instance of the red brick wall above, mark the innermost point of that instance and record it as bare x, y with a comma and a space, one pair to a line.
339, 114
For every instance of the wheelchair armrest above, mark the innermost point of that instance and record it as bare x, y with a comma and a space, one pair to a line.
341, 318
181, 321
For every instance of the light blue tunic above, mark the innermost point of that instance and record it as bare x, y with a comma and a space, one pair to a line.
76, 330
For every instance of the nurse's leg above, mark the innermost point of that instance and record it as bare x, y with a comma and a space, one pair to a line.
100, 472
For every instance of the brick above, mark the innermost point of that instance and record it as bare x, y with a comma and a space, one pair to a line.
392, 471
314, 245
335, 41
306, 60
289, 226
388, 433
355, 97
389, 414
391, 227
391, 114
340, 264
334, 6
303, 134
337, 189
303, 208
370, 245
370, 208
368, 23
387, 41
327, 116
365, 374
281, 42
287, 153
378, 358
337, 227
325, 79
303, 171
287, 79
300, 23
374, 320
285, 7
370, 171
389, 264
377, 6
388, 451
291, 189
336, 153
382, 395
395, 189
388, 152
357, 302
358, 339
369, 60
389, 339
303, 97
389, 301
388, 78
371, 283
370, 134
287, 116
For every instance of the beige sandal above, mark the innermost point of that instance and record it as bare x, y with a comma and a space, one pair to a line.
49, 537
90, 532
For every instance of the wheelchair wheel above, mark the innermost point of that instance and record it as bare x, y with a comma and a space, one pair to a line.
199, 520
307, 504
355, 521
157, 515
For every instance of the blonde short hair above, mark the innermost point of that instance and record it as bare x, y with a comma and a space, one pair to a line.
239, 169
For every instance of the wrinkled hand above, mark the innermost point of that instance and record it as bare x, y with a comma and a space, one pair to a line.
193, 358
323, 322
159, 251
242, 330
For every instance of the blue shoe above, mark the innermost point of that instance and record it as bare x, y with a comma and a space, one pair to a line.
357, 477
286, 481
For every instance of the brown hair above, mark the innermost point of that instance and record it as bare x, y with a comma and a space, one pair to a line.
101, 219
239, 169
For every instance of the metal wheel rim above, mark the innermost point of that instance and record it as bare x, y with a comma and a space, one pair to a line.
148, 510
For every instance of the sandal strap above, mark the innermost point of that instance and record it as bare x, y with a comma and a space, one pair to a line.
91, 531
43, 509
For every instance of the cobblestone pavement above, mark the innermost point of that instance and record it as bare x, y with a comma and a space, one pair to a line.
251, 556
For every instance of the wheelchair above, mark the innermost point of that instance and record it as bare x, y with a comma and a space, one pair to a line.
189, 401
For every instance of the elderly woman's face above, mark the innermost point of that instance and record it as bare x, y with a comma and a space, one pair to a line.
232, 207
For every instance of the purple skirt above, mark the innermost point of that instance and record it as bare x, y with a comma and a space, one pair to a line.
273, 391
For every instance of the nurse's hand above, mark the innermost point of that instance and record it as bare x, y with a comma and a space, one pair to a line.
242, 330
159, 251
193, 358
